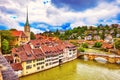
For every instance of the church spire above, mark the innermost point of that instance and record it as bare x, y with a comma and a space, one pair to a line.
27, 21
27, 27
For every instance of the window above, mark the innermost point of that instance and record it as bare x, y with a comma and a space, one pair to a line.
29, 55
29, 67
17, 39
27, 62
33, 61
38, 68
46, 64
34, 65
42, 67
55, 62
49, 63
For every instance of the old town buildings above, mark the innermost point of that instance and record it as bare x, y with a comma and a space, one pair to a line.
42, 54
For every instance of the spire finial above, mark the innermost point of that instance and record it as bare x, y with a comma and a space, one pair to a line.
27, 21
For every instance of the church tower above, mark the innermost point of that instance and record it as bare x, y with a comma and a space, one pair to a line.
27, 27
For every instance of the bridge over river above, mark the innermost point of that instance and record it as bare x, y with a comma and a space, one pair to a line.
100, 57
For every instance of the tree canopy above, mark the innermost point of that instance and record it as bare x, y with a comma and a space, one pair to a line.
5, 47
117, 44
84, 45
32, 36
6, 34
98, 44
83, 31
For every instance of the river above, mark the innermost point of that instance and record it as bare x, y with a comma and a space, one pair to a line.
79, 70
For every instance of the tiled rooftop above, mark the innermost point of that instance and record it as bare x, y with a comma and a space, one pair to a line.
18, 34
41, 47
16, 66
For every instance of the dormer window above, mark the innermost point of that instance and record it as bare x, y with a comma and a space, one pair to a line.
29, 55
17, 50
38, 44
15, 55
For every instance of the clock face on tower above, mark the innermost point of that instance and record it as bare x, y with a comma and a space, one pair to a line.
27, 28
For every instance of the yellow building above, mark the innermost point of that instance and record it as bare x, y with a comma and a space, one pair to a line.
20, 38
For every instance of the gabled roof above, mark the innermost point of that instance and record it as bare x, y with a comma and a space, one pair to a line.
9, 58
18, 34
24, 52
38, 53
16, 66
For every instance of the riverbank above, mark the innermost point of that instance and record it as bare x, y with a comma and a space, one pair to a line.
78, 70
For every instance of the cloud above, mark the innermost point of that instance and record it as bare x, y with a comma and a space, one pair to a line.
47, 15
47, 27
78, 5
75, 5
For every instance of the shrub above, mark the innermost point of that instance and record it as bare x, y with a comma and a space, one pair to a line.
98, 44
81, 49
84, 45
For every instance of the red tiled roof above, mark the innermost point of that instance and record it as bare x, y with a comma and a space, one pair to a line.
38, 36
18, 34
16, 66
24, 52
38, 53
107, 46
9, 58
45, 47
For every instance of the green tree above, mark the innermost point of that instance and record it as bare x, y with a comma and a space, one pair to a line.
103, 34
98, 44
115, 32
75, 30
57, 33
6, 34
84, 45
5, 47
117, 43
13, 29
32, 36
81, 49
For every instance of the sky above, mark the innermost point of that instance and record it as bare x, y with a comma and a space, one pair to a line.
50, 15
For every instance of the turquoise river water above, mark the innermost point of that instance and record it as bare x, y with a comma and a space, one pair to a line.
78, 70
